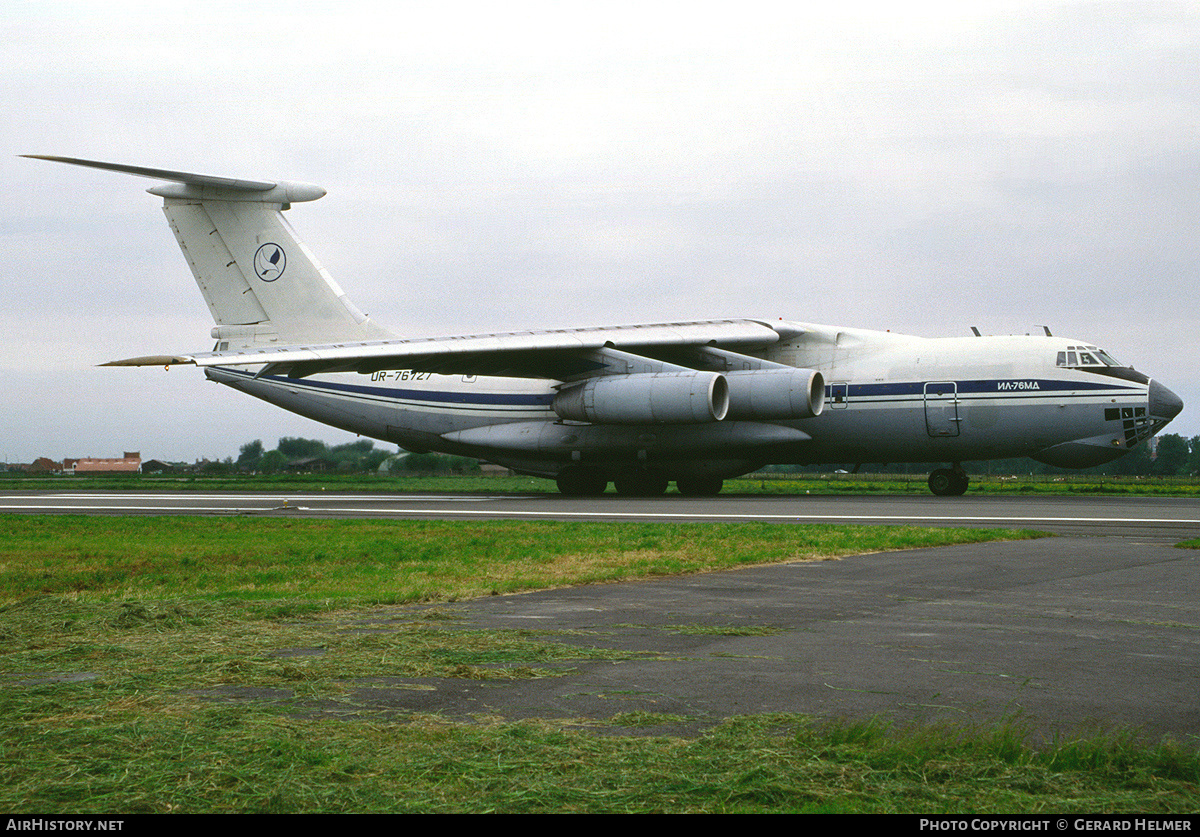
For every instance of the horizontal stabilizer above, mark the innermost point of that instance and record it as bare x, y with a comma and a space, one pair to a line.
151, 360
214, 187
163, 174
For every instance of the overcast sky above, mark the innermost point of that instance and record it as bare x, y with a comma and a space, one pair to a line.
921, 167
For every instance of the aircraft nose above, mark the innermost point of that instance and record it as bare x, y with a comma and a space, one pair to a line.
1164, 404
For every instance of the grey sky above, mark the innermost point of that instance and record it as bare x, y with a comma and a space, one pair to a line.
920, 167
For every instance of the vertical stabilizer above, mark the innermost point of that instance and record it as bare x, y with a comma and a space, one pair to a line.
261, 284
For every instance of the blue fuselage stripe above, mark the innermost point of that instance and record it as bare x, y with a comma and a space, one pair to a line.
538, 400
1006, 386
1023, 388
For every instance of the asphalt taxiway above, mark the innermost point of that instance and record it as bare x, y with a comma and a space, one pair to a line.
1099, 626
1063, 634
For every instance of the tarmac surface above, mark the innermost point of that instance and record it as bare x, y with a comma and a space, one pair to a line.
1099, 627
1137, 516
1065, 634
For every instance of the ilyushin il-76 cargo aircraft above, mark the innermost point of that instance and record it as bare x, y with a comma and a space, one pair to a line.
694, 403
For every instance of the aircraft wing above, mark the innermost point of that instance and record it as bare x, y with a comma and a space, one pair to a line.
559, 354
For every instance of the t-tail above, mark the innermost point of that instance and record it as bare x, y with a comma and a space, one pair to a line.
262, 285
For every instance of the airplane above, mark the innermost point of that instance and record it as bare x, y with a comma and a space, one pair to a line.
640, 406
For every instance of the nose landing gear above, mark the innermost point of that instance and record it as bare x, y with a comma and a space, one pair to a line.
949, 482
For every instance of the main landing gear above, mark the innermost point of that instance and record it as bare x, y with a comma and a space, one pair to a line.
582, 481
578, 481
949, 482
640, 483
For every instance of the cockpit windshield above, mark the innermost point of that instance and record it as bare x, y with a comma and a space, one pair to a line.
1077, 356
1099, 362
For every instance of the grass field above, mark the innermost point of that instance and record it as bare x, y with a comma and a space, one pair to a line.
122, 638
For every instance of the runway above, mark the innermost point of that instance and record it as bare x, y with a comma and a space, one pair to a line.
1160, 518
1101, 627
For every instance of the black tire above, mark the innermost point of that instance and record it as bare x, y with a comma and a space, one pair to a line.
945, 482
581, 482
942, 482
699, 486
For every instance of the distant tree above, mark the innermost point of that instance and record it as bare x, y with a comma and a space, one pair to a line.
250, 455
374, 459
1193, 461
294, 447
352, 456
217, 467
423, 463
436, 463
359, 448
1172, 456
272, 462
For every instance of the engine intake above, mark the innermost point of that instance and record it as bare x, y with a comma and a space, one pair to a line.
649, 398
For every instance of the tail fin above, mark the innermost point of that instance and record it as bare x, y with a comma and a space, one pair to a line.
261, 283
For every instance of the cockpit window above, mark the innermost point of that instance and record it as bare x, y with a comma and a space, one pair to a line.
1098, 362
1076, 356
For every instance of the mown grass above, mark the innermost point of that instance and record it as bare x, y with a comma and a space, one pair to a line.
213, 665
131, 756
362, 562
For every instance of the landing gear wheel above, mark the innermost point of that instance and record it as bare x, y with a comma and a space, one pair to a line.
581, 482
947, 482
640, 484
699, 486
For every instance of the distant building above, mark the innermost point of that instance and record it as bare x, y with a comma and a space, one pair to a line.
131, 463
313, 464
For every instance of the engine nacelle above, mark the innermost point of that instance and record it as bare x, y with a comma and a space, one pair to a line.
775, 394
648, 398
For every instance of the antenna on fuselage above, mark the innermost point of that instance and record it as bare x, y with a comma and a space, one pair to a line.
1047, 330
975, 331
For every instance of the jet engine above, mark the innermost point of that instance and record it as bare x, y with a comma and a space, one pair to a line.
646, 398
775, 394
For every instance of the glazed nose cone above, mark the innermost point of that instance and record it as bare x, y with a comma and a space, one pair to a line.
1164, 404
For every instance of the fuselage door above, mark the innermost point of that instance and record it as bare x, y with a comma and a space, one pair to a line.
837, 395
941, 408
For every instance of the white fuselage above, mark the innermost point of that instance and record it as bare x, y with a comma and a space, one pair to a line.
888, 398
